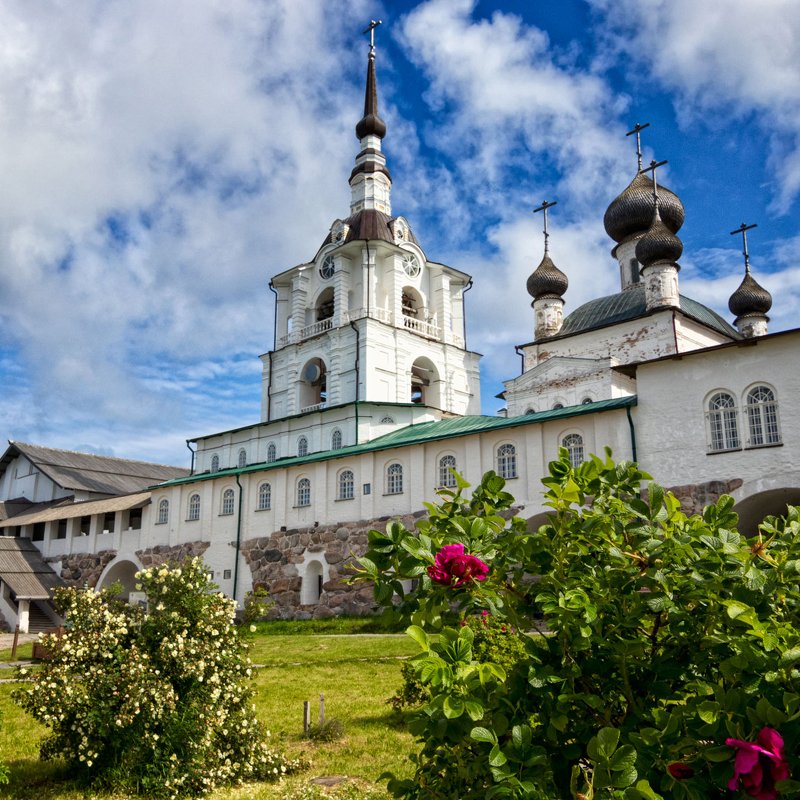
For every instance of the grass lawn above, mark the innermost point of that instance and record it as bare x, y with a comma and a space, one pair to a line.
355, 673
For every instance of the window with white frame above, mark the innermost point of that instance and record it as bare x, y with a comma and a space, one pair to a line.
242, 461
336, 440
574, 444
193, 512
723, 426
227, 502
163, 511
446, 477
272, 452
302, 446
215, 463
507, 461
346, 485
264, 497
304, 492
394, 479
762, 417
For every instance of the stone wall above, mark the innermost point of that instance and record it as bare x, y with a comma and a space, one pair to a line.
83, 569
695, 497
276, 561
176, 554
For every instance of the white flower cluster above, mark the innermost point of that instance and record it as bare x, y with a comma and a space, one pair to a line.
164, 693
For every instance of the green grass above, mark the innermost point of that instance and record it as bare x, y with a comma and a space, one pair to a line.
24, 651
340, 625
356, 675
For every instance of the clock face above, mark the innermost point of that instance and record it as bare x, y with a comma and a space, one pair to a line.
328, 267
411, 265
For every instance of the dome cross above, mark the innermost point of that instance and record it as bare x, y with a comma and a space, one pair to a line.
654, 165
743, 228
543, 207
370, 29
637, 129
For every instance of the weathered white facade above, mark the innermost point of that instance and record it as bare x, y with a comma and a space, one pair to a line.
370, 397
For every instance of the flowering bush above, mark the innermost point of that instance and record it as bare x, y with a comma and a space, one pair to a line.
155, 703
672, 645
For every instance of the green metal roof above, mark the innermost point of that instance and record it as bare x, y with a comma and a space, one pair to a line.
631, 304
418, 434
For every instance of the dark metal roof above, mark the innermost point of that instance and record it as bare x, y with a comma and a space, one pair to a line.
370, 224
47, 512
631, 304
547, 280
91, 473
419, 434
631, 211
750, 298
24, 570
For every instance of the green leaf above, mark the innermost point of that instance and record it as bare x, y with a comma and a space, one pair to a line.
419, 636
708, 711
607, 740
623, 759
790, 657
474, 709
480, 734
453, 707
496, 757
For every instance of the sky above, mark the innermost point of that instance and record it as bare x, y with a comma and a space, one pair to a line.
159, 162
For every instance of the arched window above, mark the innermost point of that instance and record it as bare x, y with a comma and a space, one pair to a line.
227, 502
304, 492
163, 512
194, 507
587, 401
762, 416
446, 478
272, 452
530, 410
302, 446
722, 423
394, 479
215, 463
387, 420
242, 461
346, 485
507, 461
557, 406
264, 497
336, 440
574, 444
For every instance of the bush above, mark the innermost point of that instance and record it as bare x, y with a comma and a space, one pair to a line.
256, 605
670, 666
155, 703
328, 731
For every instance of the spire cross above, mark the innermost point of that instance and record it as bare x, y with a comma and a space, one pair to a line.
637, 129
370, 29
543, 207
743, 228
654, 165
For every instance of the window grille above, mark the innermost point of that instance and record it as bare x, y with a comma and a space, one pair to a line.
762, 416
264, 497
507, 461
227, 502
394, 479
446, 477
194, 507
304, 492
722, 423
163, 512
347, 484
574, 444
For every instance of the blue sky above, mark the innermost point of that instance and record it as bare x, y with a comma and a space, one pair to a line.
160, 161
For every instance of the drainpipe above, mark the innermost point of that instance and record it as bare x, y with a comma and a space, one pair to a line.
518, 351
358, 373
633, 432
191, 469
238, 539
464, 311
269, 355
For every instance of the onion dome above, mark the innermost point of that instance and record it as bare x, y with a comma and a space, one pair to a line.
547, 280
371, 124
659, 243
750, 298
632, 211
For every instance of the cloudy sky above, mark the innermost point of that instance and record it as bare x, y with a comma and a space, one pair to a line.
159, 161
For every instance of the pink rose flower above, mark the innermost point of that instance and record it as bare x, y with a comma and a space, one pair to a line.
454, 567
759, 765
680, 771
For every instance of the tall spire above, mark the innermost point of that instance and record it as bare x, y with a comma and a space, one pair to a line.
370, 182
547, 285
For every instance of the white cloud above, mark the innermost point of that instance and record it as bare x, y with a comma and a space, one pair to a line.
739, 59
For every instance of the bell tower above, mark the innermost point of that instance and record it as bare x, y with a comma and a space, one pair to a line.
370, 319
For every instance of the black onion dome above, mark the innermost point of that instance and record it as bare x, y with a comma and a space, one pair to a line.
371, 124
547, 280
659, 243
750, 298
632, 210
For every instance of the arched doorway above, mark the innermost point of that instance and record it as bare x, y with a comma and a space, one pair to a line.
770, 502
122, 572
425, 383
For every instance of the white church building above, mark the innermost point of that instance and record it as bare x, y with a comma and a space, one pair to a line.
370, 397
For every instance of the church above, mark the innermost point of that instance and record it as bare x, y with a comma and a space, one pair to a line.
371, 399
